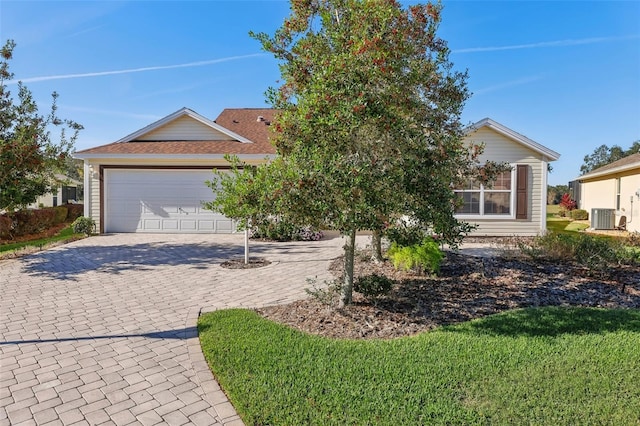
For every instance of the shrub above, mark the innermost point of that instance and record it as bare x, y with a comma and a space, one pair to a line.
596, 253
6, 225
278, 229
26, 222
424, 257
405, 234
61, 214
373, 286
75, 211
579, 214
84, 225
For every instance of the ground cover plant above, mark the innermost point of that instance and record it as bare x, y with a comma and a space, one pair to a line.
553, 365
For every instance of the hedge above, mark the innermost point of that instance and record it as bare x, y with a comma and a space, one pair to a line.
35, 221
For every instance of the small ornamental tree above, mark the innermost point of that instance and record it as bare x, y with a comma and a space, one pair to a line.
368, 127
29, 158
566, 203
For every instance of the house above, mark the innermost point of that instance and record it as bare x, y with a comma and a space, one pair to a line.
67, 191
153, 180
516, 203
615, 186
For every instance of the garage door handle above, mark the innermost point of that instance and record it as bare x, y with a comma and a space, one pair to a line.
182, 211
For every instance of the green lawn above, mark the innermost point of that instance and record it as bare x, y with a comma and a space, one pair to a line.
65, 234
544, 366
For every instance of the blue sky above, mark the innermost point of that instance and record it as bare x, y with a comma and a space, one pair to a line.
565, 74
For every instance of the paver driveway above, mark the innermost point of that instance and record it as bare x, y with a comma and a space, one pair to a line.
102, 330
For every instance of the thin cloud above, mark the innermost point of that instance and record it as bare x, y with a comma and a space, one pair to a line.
148, 117
508, 84
557, 43
135, 70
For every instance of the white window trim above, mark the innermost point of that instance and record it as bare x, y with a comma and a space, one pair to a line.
481, 215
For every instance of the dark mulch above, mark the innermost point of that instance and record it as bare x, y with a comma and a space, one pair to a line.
466, 288
254, 262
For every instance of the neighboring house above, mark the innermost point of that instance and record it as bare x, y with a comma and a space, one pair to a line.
615, 186
516, 203
153, 180
67, 192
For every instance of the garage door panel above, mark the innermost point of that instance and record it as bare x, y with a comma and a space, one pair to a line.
161, 201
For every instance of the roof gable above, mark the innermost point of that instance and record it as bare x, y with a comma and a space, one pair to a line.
176, 123
514, 136
629, 162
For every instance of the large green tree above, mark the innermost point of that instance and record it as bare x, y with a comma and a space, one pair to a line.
368, 126
604, 155
29, 157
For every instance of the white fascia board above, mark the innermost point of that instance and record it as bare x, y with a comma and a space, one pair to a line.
505, 131
182, 112
610, 171
173, 156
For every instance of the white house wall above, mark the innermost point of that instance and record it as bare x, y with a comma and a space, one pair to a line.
500, 148
184, 129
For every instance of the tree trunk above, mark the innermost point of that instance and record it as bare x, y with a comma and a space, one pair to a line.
347, 285
376, 246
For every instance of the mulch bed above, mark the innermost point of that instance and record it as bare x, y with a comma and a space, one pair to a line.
254, 262
467, 288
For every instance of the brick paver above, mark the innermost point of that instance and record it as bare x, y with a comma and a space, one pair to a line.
102, 330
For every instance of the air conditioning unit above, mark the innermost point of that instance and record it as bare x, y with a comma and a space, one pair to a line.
603, 218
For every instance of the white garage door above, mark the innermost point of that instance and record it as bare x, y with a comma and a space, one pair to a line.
162, 201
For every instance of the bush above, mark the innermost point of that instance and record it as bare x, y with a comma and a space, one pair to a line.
424, 257
278, 229
61, 214
26, 222
596, 253
579, 214
75, 211
373, 286
405, 234
84, 225
6, 225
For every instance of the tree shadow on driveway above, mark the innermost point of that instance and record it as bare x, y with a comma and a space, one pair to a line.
71, 261
179, 334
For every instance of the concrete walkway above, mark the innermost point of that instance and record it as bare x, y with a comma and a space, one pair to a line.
102, 331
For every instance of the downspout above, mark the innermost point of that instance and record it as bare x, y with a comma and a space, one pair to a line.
544, 165
87, 188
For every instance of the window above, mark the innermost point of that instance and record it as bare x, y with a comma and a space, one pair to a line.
494, 200
618, 184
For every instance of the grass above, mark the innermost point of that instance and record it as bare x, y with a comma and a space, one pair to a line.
532, 366
66, 234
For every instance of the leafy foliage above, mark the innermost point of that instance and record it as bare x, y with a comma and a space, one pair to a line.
554, 193
373, 286
368, 125
604, 155
423, 257
84, 225
29, 157
280, 229
596, 253
579, 214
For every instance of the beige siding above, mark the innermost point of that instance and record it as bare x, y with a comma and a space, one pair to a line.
601, 194
500, 148
184, 129
95, 195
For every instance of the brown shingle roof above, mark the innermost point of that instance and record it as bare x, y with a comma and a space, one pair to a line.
242, 121
626, 161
